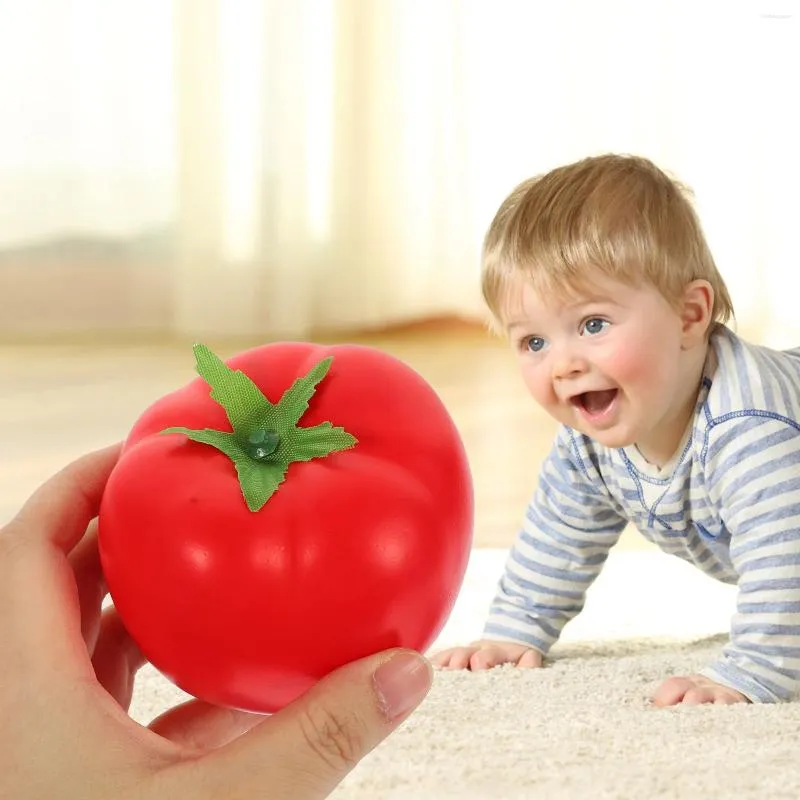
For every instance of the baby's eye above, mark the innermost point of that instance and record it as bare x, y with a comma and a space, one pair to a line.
533, 343
595, 325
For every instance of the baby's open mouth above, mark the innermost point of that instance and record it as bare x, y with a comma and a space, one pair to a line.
595, 403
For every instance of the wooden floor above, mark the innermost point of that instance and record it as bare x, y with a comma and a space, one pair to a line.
57, 402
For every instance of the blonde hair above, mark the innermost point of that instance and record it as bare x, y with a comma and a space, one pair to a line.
617, 214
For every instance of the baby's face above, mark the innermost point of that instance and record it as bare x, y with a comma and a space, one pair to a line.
607, 362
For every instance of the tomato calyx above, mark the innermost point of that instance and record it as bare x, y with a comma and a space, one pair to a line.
262, 443
266, 438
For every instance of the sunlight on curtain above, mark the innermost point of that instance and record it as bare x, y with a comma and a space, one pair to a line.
86, 140
359, 179
241, 47
267, 168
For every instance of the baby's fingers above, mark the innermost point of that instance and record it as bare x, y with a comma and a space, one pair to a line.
453, 658
487, 658
530, 659
492, 656
695, 690
487, 655
698, 696
672, 691
703, 693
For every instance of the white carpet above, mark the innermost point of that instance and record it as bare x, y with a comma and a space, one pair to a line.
581, 728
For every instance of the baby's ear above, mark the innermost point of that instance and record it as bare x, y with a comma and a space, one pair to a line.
696, 308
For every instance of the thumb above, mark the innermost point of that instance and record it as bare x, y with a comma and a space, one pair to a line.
304, 751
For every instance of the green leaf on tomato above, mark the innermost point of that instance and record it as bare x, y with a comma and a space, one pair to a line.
266, 438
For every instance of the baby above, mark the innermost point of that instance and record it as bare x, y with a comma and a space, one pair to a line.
600, 274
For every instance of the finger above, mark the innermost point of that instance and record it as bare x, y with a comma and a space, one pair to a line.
697, 696
530, 659
61, 509
728, 699
306, 749
716, 693
91, 585
488, 658
671, 692
200, 726
116, 658
459, 658
441, 659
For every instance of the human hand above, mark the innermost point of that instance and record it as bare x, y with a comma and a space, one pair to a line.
485, 654
694, 690
66, 678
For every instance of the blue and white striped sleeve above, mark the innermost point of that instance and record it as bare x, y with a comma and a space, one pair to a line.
753, 473
569, 528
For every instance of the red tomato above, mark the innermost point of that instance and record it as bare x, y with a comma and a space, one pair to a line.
355, 551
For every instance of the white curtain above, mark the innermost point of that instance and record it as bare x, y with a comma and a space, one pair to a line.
276, 168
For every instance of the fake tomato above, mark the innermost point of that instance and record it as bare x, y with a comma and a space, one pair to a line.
289, 511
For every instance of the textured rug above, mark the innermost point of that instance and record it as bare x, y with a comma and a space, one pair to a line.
582, 727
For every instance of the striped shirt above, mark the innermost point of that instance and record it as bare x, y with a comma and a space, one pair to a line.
729, 503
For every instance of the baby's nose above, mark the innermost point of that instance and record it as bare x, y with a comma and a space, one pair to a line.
568, 364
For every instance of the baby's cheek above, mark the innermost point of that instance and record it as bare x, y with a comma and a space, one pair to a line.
538, 386
635, 362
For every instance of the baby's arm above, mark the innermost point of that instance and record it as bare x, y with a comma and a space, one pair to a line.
569, 528
754, 474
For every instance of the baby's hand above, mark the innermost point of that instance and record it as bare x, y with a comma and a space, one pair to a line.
694, 690
486, 654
